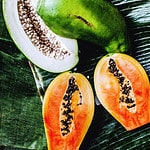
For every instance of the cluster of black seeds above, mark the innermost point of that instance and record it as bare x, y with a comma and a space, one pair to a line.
126, 95
67, 111
38, 32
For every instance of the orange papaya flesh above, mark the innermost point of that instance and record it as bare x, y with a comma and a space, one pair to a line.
68, 110
123, 88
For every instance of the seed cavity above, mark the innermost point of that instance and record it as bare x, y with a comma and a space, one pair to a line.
39, 34
127, 97
67, 112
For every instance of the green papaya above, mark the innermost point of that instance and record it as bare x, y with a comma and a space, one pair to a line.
96, 21
36, 41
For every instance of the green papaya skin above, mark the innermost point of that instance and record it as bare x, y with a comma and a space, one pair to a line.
96, 21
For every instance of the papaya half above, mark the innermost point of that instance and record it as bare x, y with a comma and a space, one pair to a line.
36, 40
123, 88
68, 109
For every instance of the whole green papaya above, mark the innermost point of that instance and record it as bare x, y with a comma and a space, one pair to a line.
97, 21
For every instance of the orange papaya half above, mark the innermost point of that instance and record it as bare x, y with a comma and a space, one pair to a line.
68, 110
122, 86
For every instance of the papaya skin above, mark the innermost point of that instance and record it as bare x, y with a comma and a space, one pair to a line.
82, 106
97, 21
131, 113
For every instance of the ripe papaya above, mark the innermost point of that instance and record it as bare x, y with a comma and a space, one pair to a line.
68, 109
123, 88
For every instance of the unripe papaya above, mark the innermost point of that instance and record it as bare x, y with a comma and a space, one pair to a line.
36, 41
97, 21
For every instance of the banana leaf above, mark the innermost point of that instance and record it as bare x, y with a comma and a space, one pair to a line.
23, 86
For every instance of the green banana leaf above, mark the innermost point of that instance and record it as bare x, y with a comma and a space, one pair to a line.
23, 86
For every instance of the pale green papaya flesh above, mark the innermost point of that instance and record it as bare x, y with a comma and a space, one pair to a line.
38, 43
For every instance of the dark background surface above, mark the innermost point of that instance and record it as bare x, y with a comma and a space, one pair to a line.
22, 90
